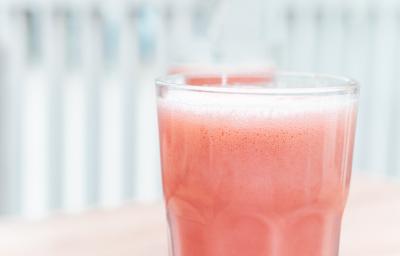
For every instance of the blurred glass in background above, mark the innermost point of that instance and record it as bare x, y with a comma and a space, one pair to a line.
77, 101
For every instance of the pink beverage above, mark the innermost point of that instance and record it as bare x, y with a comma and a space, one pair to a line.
256, 167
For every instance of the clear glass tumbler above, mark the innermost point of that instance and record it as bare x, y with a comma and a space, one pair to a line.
256, 164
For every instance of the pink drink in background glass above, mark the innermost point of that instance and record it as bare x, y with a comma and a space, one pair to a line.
259, 166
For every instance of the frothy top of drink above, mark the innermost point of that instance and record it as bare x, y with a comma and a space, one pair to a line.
201, 102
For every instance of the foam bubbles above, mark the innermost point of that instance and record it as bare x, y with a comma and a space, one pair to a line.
212, 103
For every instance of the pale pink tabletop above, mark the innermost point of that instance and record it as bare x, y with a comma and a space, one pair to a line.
371, 227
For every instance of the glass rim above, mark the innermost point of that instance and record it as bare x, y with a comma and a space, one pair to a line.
345, 85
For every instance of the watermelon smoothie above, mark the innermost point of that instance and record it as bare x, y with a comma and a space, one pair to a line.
256, 169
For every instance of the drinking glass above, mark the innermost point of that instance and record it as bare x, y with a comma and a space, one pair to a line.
256, 164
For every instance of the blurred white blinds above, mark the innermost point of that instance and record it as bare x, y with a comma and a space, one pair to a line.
77, 105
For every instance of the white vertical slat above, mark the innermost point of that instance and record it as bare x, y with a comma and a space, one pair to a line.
90, 54
288, 14
129, 65
181, 27
357, 54
111, 112
396, 105
330, 57
160, 37
162, 62
14, 41
368, 80
148, 178
280, 31
5, 117
74, 143
55, 128
52, 61
291, 18
363, 45
34, 140
147, 183
303, 43
3, 163
382, 86
271, 43
54, 44
34, 130
75, 157
111, 142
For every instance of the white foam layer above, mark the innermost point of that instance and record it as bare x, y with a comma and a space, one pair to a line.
251, 104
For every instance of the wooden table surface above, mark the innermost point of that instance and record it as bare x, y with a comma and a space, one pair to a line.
371, 228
